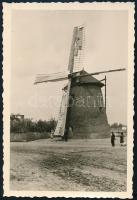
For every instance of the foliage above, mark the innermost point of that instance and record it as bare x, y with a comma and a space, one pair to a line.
116, 125
27, 125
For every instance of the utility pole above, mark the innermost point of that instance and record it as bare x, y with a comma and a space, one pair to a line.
105, 92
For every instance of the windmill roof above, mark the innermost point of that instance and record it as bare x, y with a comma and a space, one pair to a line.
89, 79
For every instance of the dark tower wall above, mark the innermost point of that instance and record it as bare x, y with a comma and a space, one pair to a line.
87, 114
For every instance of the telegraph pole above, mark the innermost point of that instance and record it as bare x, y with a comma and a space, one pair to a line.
105, 92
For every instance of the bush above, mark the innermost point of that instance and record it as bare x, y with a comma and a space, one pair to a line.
30, 136
27, 125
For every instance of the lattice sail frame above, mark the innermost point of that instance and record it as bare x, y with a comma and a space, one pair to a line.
73, 66
80, 50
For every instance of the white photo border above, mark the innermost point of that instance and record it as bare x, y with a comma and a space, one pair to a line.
7, 8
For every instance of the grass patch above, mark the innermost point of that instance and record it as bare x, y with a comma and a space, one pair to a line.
29, 136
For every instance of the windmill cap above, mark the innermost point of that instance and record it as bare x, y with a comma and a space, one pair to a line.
89, 79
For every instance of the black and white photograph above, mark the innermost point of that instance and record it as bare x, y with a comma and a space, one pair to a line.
68, 99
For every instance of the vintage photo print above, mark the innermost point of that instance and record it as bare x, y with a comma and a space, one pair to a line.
68, 77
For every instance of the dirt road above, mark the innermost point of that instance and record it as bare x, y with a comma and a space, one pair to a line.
76, 165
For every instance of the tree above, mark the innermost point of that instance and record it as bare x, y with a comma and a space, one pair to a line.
51, 124
27, 125
114, 125
117, 125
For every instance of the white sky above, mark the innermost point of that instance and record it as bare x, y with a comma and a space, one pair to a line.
41, 43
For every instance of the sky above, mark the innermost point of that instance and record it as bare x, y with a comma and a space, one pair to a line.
40, 42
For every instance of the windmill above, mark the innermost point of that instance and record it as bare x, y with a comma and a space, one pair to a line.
82, 107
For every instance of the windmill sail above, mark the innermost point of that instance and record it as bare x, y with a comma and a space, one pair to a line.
51, 77
76, 46
77, 49
60, 128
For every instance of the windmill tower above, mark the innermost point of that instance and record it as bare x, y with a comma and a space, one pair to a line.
82, 106
87, 109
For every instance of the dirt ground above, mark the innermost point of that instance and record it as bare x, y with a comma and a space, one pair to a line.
76, 165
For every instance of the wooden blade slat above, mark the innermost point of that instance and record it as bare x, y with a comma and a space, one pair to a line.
76, 46
51, 77
60, 129
103, 72
109, 71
